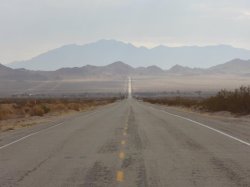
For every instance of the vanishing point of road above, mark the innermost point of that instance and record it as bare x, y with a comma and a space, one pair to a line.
128, 143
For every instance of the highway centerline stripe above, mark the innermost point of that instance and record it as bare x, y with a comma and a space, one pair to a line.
121, 155
120, 176
203, 125
123, 142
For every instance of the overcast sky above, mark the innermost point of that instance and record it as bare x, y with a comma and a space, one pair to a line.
29, 27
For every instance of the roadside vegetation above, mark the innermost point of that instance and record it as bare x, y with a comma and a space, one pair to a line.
26, 109
236, 101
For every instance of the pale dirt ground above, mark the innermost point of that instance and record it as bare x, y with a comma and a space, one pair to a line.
205, 83
168, 83
29, 121
62, 87
140, 84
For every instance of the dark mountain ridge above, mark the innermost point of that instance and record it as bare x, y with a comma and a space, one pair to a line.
120, 69
7, 73
236, 66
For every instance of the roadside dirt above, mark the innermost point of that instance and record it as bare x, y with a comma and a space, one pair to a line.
26, 114
26, 122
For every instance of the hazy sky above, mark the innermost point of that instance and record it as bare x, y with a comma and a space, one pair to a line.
29, 27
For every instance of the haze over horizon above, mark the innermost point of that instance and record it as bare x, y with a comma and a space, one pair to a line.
147, 45
104, 52
29, 27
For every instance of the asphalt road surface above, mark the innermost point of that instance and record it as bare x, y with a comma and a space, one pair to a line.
128, 143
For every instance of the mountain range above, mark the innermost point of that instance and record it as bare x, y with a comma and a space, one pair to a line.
120, 69
7, 73
103, 52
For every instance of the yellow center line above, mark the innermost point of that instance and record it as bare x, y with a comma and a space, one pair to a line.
120, 176
123, 142
121, 155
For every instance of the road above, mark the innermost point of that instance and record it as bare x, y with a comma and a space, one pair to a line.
128, 143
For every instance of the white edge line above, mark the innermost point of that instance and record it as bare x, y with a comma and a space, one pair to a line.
211, 128
34, 133
29, 135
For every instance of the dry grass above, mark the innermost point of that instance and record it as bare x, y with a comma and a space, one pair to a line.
13, 111
236, 102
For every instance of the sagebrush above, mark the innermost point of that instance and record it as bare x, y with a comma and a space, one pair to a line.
236, 101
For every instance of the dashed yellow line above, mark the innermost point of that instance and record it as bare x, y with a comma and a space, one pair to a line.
120, 176
121, 155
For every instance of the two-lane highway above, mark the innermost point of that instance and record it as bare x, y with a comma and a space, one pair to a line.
128, 143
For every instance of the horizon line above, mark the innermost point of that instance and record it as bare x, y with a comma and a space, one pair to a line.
134, 67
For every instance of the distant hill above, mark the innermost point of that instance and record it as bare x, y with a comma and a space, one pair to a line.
103, 52
181, 70
120, 70
116, 69
19, 74
236, 66
150, 70
4, 69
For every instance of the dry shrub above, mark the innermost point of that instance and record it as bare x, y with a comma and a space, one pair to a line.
6, 110
2, 115
28, 103
45, 108
37, 111
59, 107
21, 107
237, 101
74, 106
26, 110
